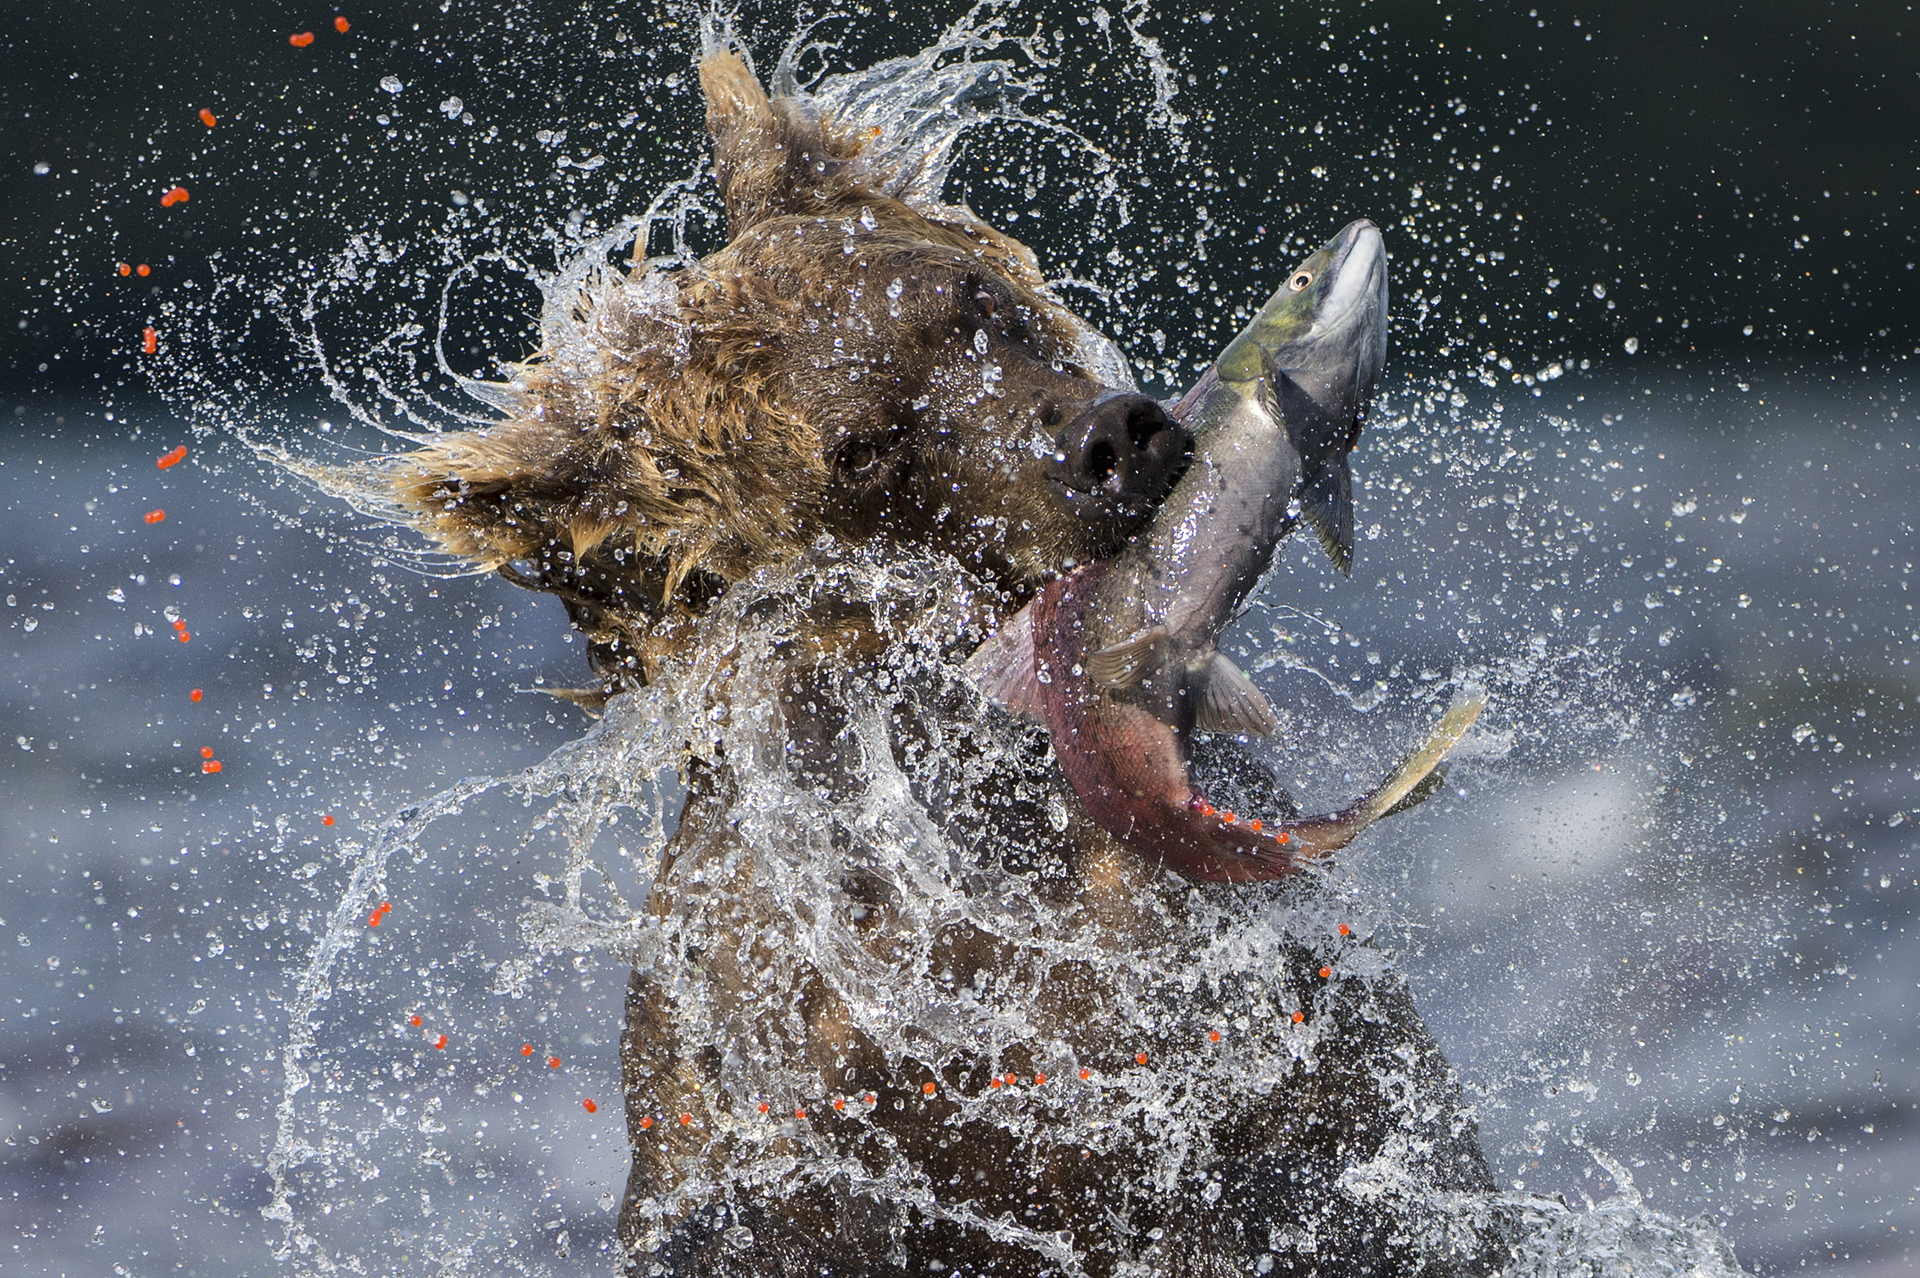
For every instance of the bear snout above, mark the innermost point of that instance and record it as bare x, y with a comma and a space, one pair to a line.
1120, 457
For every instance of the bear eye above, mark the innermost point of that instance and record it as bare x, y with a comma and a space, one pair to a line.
985, 302
861, 458
1300, 280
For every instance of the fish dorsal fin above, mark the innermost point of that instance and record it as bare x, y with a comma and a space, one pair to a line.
1123, 665
1326, 503
1003, 667
1230, 703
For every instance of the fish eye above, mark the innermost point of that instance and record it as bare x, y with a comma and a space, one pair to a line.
1300, 280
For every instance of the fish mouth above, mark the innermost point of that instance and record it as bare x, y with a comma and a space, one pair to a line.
1354, 286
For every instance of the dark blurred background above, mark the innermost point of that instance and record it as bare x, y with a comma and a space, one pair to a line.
1740, 178
1674, 924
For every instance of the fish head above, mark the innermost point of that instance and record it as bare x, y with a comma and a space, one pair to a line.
1317, 351
1326, 327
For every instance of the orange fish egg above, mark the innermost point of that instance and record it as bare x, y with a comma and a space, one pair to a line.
1298, 1017
326, 820
149, 340
373, 919
342, 25
1325, 972
1039, 1079
1345, 930
386, 907
996, 1083
211, 765
1254, 825
1140, 1058
589, 1106
185, 637
646, 1121
927, 1088
871, 1099
173, 458
799, 1113
179, 624
439, 1044
206, 752
686, 1120
300, 40
1281, 837
196, 694
174, 195
1206, 809
1227, 817
839, 1103
143, 269
553, 1062
155, 516
1085, 1074
1213, 1036
764, 1107
207, 118
413, 1020
124, 269
526, 1049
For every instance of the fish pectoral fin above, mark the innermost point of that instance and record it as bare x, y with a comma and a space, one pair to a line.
1230, 703
1003, 667
1123, 665
1326, 503
1323, 443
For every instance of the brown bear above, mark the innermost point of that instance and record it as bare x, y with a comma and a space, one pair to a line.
902, 1008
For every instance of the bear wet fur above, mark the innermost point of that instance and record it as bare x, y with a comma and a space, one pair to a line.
856, 380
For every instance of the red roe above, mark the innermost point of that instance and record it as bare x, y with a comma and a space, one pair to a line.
211, 765
124, 269
155, 516
175, 195
172, 458
195, 695
300, 40
553, 1062
149, 340
327, 819
143, 270
207, 118
526, 1049
440, 1044
414, 1019
589, 1105
342, 25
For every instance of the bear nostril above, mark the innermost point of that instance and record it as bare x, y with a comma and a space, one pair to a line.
1102, 461
1144, 423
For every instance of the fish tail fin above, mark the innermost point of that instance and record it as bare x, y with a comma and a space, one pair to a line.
1404, 786
1415, 768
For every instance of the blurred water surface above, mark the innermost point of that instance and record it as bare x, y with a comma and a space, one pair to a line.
1663, 913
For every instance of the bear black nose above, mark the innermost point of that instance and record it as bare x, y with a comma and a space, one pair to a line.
1123, 448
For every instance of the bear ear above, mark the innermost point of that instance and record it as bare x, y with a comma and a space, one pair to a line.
746, 138
775, 157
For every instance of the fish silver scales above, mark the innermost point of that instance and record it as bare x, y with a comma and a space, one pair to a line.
1119, 658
